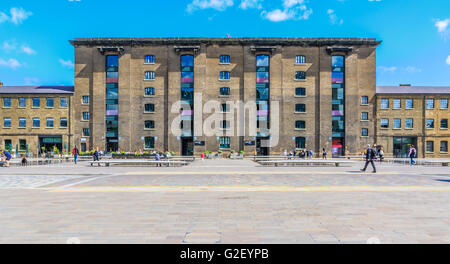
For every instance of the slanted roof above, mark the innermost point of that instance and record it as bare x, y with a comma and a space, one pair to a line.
413, 89
36, 89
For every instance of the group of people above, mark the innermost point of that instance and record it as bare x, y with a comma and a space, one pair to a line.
304, 154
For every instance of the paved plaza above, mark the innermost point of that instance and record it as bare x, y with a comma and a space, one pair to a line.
224, 201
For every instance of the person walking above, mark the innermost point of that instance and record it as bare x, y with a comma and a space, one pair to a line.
95, 155
75, 153
158, 158
8, 157
381, 154
324, 153
412, 154
370, 156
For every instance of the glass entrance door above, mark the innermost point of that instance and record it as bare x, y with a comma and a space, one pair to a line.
401, 146
261, 150
187, 146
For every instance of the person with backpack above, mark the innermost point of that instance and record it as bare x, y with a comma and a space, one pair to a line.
412, 154
370, 155
8, 157
75, 153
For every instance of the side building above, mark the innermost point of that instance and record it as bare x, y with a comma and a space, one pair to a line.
34, 118
413, 115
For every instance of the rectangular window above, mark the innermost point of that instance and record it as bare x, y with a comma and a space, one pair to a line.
7, 102
337, 77
63, 102
409, 103
86, 132
149, 143
364, 116
300, 142
6, 122
85, 116
50, 122
225, 91
112, 63
224, 59
300, 75
149, 91
224, 75
22, 102
83, 147
384, 103
397, 123
444, 103
262, 77
300, 124
300, 91
262, 61
364, 132
225, 108
224, 142
430, 123
444, 123
22, 122
430, 103
409, 123
85, 99
149, 108
36, 122
444, 146
225, 124
430, 146
300, 108
112, 78
397, 104
384, 122
22, 145
364, 100
150, 59
300, 59
149, 124
63, 122
262, 93
36, 102
149, 75
50, 102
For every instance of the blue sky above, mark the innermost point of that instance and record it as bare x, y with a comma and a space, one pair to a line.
34, 47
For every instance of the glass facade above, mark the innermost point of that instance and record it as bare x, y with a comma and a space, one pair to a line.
338, 105
262, 103
112, 104
187, 106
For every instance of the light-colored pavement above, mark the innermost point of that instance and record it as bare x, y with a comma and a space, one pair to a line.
224, 201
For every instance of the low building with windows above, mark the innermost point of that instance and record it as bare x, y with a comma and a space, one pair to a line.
34, 118
413, 115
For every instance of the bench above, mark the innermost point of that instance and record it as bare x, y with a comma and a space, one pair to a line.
310, 162
167, 163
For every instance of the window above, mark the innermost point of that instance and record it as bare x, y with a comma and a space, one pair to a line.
364, 100
86, 132
224, 142
300, 75
22, 145
63, 122
83, 147
384, 122
150, 59
224, 59
22, 102
444, 103
262, 61
300, 59
36, 122
444, 123
364, 132
397, 123
149, 91
224, 75
224, 91
300, 142
149, 108
224, 108
36, 102
85, 116
85, 99
149, 124
384, 103
225, 124
63, 102
262, 77
430, 123
22, 122
364, 116
409, 103
300, 108
397, 104
6, 122
149, 143
430, 103
444, 146
262, 93
300, 91
50, 122
7, 102
50, 102
430, 146
409, 123
112, 63
300, 124
149, 75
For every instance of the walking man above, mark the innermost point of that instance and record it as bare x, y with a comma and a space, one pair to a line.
324, 153
370, 156
75, 153
412, 154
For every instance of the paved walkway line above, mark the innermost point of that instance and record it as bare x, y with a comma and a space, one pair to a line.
258, 172
250, 189
87, 180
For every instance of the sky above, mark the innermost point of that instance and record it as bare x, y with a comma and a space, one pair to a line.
35, 48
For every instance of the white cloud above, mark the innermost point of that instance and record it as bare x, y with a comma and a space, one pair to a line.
334, 18
11, 63
219, 5
374, 0
387, 69
442, 25
8, 46
67, 63
292, 9
17, 15
28, 50
448, 60
246, 4
412, 69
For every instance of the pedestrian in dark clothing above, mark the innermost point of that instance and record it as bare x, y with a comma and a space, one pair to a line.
75, 153
295, 153
412, 154
158, 158
324, 154
370, 156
